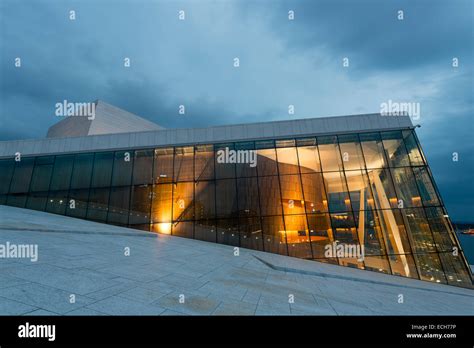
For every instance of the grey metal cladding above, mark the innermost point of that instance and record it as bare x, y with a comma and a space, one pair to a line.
191, 136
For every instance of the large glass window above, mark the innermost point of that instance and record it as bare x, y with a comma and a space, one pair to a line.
228, 231
251, 233
336, 191
82, 171
414, 153
297, 236
102, 172
406, 188
247, 190
140, 206
274, 237
425, 187
373, 150
395, 150
142, 168
225, 161
62, 171
205, 200
162, 203
6, 173
20, 182
42, 174
351, 152
118, 206
314, 193
270, 199
184, 163
320, 233
123, 166
419, 230
266, 158
292, 195
247, 166
98, 204
308, 156
329, 154
226, 198
205, 230
287, 157
183, 201
163, 171
204, 162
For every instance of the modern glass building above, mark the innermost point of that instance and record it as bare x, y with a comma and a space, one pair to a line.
315, 184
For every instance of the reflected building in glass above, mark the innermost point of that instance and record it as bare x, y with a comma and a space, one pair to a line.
315, 185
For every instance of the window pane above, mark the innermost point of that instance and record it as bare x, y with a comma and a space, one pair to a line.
184, 163
427, 191
266, 158
359, 190
382, 189
205, 204
394, 232
102, 172
270, 199
183, 229
228, 231
403, 265
98, 204
37, 201
118, 206
205, 230
123, 166
309, 159
82, 170
395, 150
351, 152
442, 232
320, 233
406, 188
455, 270
22, 175
377, 264
344, 228
204, 162
226, 200
429, 267
370, 232
419, 230
292, 196
225, 164
6, 173
140, 205
329, 153
247, 167
162, 203
62, 173
314, 193
287, 160
42, 174
77, 203
183, 201
247, 190
336, 191
414, 152
297, 236
251, 233
163, 171
274, 239
373, 150
142, 167
57, 201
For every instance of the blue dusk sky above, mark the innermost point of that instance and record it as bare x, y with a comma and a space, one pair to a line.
282, 62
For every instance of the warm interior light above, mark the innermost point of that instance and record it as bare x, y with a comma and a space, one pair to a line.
164, 227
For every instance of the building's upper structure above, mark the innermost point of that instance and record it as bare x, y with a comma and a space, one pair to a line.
107, 119
114, 129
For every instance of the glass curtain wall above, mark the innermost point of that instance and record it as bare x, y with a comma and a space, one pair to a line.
363, 200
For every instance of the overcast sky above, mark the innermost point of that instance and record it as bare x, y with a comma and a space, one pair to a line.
282, 62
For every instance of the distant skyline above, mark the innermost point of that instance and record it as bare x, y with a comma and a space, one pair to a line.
282, 62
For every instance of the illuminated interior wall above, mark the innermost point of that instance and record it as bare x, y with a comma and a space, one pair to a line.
370, 189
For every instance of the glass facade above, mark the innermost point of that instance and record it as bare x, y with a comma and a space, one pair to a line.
302, 197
